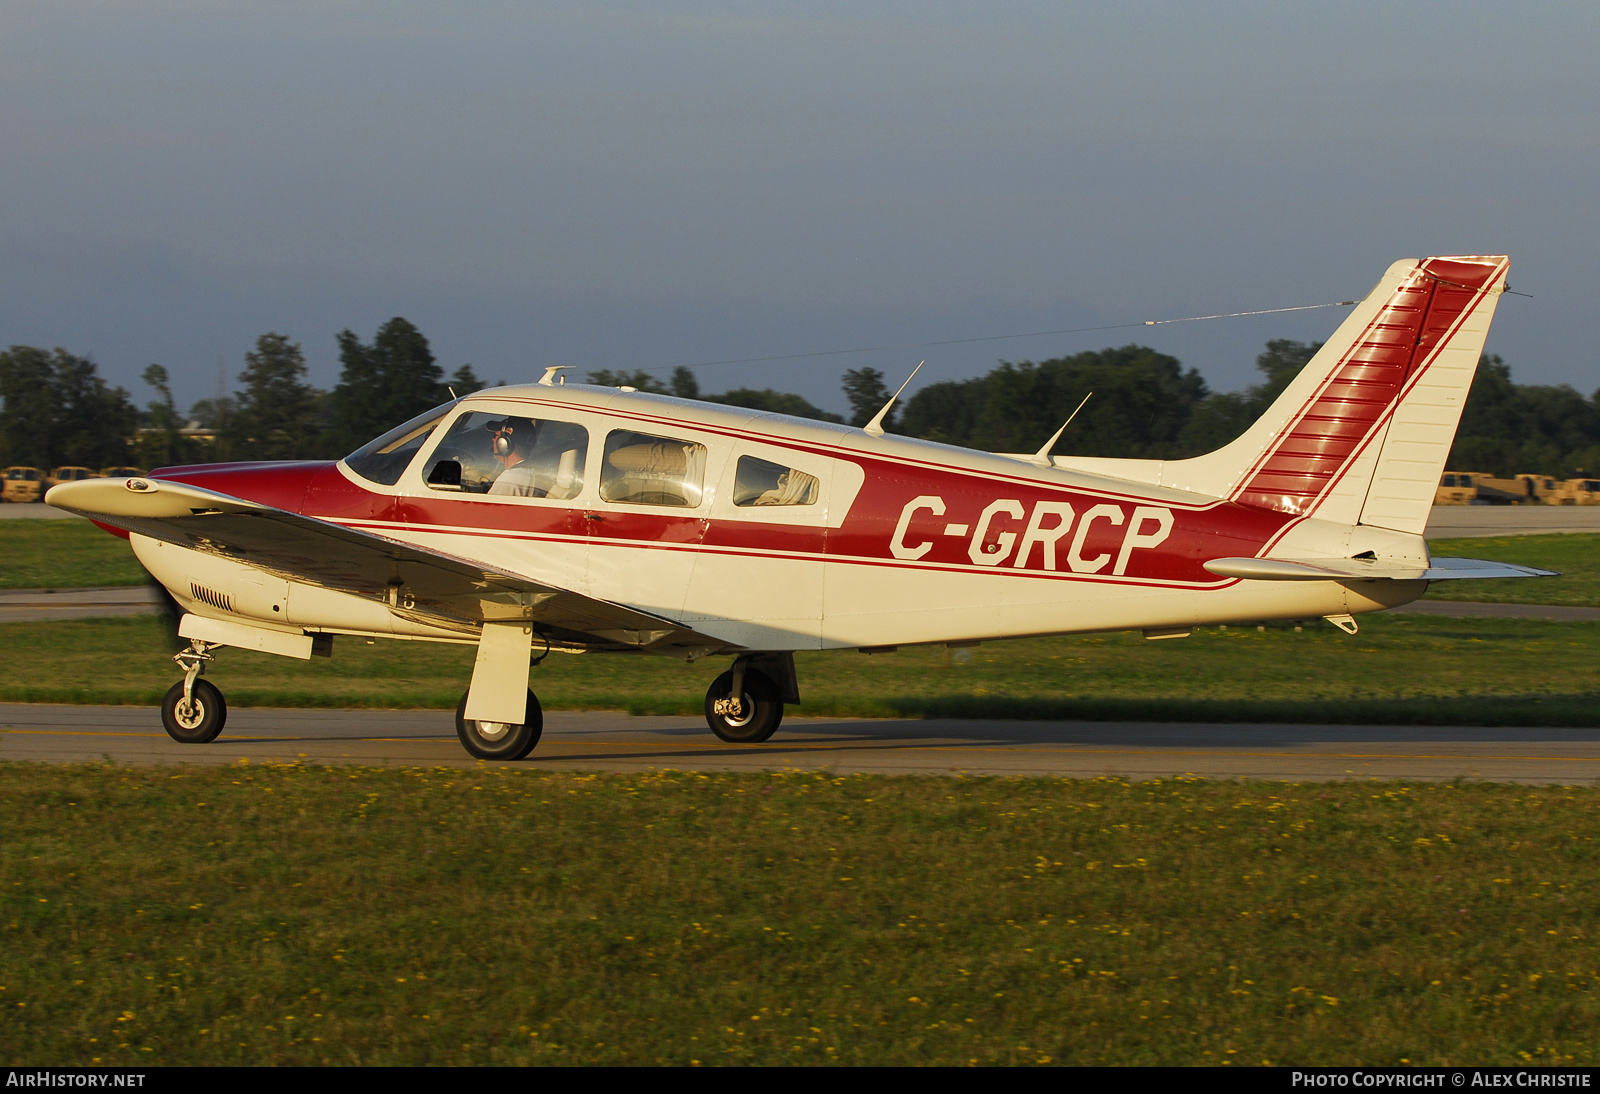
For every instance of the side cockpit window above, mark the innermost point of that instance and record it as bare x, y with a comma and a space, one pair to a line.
385, 459
508, 456
759, 482
642, 469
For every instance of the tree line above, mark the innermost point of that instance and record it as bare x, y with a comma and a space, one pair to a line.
1147, 406
57, 409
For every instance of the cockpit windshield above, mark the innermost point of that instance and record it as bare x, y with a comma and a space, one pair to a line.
384, 460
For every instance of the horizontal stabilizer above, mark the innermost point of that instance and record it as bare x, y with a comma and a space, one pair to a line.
1368, 569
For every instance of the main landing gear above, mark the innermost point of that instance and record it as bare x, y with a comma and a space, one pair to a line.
193, 711
500, 740
745, 704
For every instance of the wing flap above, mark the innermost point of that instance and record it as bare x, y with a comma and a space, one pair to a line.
415, 581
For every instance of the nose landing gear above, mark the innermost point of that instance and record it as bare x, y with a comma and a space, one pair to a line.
193, 712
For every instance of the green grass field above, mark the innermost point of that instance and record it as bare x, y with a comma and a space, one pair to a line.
1399, 670
1575, 556
64, 554
289, 915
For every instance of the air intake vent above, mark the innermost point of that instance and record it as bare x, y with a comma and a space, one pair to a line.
211, 596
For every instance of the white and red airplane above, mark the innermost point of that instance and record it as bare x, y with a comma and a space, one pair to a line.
572, 518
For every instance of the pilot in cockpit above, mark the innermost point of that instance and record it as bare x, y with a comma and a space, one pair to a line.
513, 445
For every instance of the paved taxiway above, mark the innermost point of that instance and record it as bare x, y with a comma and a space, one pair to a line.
616, 742
103, 602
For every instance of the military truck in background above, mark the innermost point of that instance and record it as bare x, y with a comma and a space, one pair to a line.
1578, 492
1542, 488
1480, 488
23, 484
1476, 488
68, 474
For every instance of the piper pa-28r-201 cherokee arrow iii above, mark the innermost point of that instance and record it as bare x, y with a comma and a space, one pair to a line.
571, 518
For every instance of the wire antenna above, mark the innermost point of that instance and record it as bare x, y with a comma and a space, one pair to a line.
994, 337
1260, 311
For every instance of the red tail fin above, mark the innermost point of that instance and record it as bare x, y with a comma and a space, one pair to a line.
1351, 407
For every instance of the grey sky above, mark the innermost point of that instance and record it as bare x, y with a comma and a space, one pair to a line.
625, 186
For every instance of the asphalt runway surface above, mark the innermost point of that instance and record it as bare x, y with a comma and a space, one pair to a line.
34, 510
102, 602
603, 741
1456, 521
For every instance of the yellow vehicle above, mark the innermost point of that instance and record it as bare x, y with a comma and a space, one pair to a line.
1478, 488
1456, 488
120, 473
1578, 492
67, 474
1542, 487
23, 484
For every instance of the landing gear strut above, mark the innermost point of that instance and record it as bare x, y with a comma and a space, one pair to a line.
193, 712
744, 705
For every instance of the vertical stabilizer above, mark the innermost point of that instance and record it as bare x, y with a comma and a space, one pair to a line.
1361, 435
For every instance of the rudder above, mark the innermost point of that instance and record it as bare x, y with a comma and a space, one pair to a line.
1416, 440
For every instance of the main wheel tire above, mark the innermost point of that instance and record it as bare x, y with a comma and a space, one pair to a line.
763, 709
500, 740
198, 721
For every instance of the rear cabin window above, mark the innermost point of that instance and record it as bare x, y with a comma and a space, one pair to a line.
507, 456
385, 459
642, 469
760, 482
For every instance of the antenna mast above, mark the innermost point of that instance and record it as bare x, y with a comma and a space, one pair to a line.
875, 427
1042, 457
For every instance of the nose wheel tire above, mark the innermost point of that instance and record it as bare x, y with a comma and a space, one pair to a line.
500, 740
197, 721
761, 709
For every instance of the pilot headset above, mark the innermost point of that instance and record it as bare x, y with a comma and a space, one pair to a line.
505, 436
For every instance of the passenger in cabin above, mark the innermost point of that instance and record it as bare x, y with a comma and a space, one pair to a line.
760, 482
641, 469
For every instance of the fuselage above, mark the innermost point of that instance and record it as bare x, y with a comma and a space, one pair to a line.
765, 532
